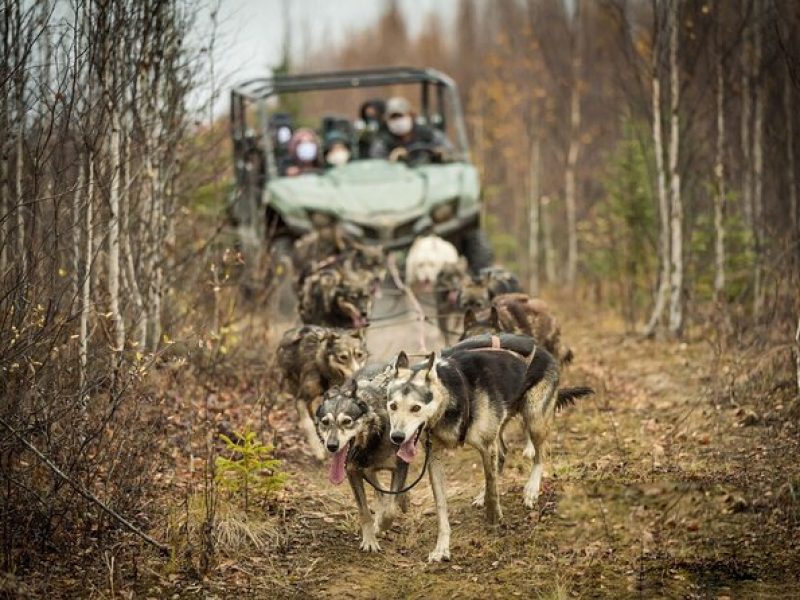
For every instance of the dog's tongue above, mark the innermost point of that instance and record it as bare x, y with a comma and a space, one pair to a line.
408, 450
336, 474
452, 297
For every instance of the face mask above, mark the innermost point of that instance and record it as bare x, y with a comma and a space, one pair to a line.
338, 157
306, 151
400, 125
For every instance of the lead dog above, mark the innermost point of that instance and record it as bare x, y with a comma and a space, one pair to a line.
467, 398
354, 427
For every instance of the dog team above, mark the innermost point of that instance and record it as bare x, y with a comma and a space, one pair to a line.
373, 418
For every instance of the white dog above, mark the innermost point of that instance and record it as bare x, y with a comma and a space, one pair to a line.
426, 257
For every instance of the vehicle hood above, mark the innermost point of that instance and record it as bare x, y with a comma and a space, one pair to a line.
366, 189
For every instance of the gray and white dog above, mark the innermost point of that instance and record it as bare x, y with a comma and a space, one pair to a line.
468, 397
354, 428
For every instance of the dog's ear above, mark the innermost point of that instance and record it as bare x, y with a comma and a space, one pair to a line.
363, 406
494, 317
429, 366
359, 333
401, 362
469, 319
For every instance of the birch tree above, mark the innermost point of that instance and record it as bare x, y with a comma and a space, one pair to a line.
574, 148
665, 259
676, 203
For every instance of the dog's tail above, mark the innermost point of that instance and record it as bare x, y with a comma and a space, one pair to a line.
567, 396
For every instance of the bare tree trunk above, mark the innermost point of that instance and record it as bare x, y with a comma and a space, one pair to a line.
663, 200
676, 204
746, 124
113, 233
719, 174
794, 237
572, 153
547, 238
86, 275
533, 216
758, 171
18, 198
130, 270
76, 230
797, 356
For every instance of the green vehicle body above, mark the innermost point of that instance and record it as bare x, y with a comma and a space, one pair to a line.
378, 201
375, 200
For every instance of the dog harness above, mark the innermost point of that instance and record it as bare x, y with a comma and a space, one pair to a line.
378, 488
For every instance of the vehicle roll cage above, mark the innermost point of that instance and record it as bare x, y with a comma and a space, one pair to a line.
259, 90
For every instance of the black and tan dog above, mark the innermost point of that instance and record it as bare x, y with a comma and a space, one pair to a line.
478, 292
518, 313
313, 359
468, 397
354, 428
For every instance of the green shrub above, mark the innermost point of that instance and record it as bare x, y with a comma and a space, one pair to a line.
251, 469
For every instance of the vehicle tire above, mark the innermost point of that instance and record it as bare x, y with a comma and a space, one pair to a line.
476, 248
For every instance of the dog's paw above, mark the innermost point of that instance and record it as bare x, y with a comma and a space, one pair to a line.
370, 545
480, 499
530, 496
529, 451
439, 554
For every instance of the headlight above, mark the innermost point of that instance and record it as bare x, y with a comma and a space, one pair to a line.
445, 212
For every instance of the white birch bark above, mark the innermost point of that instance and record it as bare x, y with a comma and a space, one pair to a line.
676, 204
661, 189
572, 153
533, 216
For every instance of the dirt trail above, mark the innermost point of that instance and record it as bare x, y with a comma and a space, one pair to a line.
650, 491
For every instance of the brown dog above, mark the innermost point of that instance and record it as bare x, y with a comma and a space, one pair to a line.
337, 296
518, 313
313, 359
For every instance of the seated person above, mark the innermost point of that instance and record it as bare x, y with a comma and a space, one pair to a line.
401, 131
337, 148
372, 112
303, 153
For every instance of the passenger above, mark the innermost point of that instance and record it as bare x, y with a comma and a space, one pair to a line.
372, 112
400, 132
337, 148
303, 153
